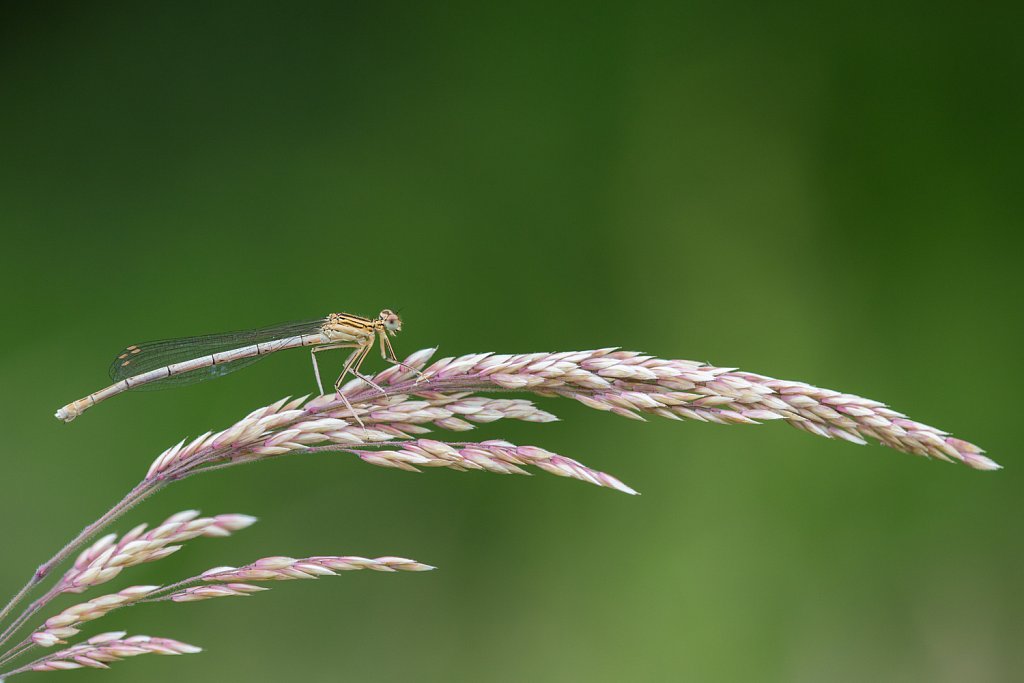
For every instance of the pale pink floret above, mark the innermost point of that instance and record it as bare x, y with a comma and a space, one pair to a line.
499, 457
64, 625
107, 557
111, 647
232, 581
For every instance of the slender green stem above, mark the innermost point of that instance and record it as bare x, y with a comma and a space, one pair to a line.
22, 669
30, 610
142, 490
16, 651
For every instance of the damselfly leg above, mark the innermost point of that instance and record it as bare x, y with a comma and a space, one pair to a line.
358, 349
388, 354
352, 365
317, 349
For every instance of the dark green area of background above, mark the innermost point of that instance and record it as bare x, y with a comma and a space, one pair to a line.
824, 194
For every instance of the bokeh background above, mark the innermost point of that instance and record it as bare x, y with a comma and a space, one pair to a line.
830, 194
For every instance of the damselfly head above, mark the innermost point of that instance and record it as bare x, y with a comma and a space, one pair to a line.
391, 322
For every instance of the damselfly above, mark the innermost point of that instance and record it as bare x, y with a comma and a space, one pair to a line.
175, 362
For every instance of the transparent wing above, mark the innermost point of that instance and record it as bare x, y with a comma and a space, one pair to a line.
139, 358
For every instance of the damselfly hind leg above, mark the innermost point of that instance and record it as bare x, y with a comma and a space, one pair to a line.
350, 362
317, 349
316, 371
360, 350
351, 410
354, 366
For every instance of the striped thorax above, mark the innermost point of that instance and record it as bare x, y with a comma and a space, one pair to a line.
345, 327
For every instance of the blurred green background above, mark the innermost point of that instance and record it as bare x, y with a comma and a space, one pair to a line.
829, 194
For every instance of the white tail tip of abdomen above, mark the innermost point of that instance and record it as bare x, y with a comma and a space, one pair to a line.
67, 413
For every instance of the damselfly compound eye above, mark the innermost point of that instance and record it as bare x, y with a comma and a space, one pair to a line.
392, 323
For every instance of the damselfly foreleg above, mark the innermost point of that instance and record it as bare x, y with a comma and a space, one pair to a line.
388, 354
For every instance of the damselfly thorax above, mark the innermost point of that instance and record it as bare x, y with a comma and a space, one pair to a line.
175, 362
